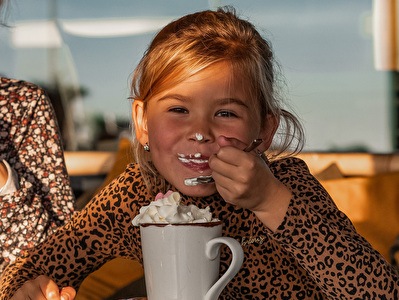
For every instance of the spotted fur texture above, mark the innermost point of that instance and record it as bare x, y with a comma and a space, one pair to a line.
314, 254
31, 144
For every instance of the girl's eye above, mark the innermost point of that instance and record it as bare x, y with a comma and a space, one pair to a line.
226, 114
178, 110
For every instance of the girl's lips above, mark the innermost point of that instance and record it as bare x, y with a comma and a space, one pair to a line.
196, 162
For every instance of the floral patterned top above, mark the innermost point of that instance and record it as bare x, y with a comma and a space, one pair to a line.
30, 142
315, 253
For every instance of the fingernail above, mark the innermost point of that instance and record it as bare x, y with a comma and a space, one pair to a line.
51, 295
65, 297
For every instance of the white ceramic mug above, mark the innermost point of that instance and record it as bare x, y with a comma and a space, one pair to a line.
181, 261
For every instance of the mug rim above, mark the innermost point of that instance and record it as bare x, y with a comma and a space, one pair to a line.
201, 224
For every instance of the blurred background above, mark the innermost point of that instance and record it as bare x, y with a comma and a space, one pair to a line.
83, 54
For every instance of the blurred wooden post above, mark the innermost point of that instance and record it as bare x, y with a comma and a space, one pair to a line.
385, 37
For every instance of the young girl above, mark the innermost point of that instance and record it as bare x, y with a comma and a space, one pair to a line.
202, 92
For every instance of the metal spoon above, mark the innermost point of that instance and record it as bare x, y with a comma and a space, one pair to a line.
208, 178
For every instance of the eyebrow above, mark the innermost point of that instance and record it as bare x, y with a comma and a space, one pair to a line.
222, 101
232, 100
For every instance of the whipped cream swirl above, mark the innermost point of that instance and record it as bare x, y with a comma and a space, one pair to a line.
167, 209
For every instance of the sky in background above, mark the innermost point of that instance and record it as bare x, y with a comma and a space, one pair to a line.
324, 49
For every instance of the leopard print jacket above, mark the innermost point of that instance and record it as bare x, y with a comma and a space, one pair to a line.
315, 253
30, 143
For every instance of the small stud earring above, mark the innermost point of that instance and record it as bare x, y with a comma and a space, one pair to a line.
146, 147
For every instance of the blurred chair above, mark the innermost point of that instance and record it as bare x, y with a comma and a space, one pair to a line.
394, 254
365, 187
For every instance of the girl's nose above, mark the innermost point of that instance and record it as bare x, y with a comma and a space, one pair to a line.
201, 130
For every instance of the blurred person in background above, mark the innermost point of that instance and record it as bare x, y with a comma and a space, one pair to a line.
35, 191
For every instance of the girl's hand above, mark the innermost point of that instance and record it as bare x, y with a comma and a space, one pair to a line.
244, 179
240, 177
43, 288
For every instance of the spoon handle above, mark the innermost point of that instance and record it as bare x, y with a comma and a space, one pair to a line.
253, 145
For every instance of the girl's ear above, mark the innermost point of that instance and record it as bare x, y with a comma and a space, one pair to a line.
140, 121
268, 132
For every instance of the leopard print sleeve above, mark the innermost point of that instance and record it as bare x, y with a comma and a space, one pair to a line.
95, 235
325, 243
30, 142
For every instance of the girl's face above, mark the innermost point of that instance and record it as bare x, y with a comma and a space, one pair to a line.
182, 124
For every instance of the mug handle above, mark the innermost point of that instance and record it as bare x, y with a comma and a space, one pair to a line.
212, 252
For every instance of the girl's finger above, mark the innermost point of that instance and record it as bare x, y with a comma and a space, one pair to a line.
68, 293
40, 288
224, 141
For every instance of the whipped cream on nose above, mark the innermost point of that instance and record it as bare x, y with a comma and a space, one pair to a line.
199, 136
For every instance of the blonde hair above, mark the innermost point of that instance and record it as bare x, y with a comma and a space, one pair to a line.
190, 44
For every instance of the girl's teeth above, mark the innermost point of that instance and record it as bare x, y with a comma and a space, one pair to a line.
196, 155
192, 158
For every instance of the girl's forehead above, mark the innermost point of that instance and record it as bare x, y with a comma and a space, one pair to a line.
219, 78
231, 76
